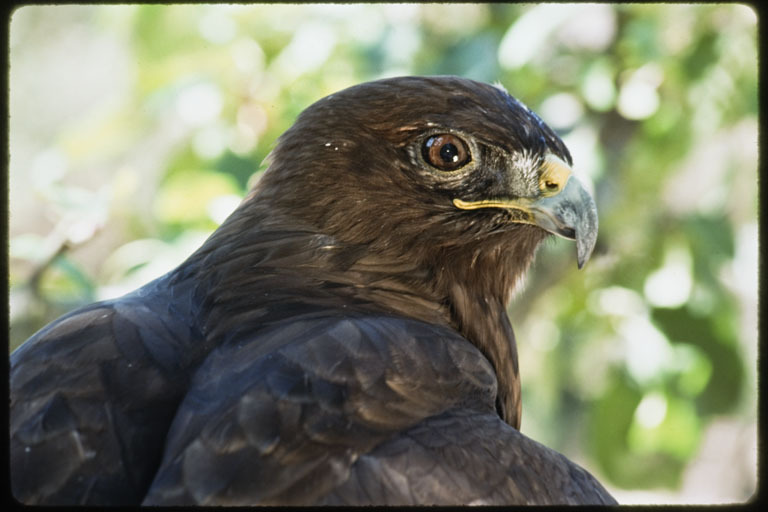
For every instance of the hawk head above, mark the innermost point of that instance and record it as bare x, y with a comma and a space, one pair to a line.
420, 165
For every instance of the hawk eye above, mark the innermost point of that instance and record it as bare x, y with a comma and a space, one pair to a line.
445, 151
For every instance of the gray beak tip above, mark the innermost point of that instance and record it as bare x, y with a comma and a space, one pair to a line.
586, 234
571, 214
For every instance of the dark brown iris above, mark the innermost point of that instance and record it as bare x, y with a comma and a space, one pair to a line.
445, 151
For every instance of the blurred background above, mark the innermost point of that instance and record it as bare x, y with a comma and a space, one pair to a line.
135, 130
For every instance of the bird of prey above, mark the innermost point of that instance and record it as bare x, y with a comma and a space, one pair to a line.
341, 338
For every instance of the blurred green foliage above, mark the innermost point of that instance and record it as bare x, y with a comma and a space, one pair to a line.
625, 364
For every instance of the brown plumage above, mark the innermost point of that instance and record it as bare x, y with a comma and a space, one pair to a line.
341, 338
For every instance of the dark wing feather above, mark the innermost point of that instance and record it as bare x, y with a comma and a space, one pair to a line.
366, 410
92, 396
466, 457
286, 426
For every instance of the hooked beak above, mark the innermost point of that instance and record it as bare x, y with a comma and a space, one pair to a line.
564, 208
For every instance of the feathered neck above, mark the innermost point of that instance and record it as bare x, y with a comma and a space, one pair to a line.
253, 264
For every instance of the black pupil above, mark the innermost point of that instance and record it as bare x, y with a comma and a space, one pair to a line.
449, 153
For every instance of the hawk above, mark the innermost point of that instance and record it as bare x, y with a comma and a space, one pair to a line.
341, 338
